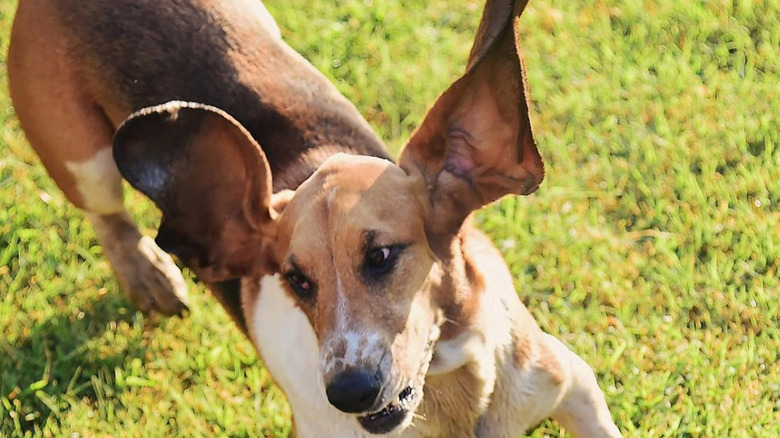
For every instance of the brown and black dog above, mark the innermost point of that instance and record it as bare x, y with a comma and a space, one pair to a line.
376, 306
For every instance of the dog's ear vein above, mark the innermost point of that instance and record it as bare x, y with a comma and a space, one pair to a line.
210, 179
475, 145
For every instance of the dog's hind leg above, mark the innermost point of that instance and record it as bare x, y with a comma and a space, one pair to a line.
583, 410
72, 135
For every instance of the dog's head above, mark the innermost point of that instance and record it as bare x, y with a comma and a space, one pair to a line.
362, 245
353, 251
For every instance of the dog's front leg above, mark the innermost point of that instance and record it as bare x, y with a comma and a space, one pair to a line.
148, 275
71, 132
583, 410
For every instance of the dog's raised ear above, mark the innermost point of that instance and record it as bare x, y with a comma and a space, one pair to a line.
210, 179
475, 144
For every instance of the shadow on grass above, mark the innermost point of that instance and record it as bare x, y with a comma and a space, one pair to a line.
70, 357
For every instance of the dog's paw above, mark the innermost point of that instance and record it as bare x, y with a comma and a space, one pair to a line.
146, 273
157, 285
149, 277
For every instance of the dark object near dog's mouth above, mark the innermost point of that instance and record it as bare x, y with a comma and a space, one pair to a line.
391, 416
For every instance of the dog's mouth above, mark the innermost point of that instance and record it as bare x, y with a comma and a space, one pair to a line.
392, 415
396, 413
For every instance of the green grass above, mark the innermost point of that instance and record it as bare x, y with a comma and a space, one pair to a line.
652, 249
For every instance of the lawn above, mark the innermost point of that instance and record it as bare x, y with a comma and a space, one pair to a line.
652, 248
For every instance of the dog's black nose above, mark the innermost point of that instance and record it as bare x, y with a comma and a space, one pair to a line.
353, 391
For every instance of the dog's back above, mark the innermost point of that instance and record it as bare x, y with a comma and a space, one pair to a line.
127, 55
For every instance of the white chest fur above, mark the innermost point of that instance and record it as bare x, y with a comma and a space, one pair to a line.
289, 349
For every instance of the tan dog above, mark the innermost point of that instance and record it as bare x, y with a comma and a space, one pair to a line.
375, 305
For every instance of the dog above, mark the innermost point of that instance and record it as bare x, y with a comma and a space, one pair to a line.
374, 303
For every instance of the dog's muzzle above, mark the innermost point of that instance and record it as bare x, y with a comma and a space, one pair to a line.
357, 391
378, 407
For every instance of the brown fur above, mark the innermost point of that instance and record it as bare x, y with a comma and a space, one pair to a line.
77, 69
214, 54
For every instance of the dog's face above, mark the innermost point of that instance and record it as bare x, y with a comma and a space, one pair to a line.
363, 242
353, 251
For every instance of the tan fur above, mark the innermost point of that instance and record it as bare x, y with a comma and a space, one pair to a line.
140, 265
325, 226
552, 367
511, 378
41, 76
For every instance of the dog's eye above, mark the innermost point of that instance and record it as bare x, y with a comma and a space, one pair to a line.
377, 258
300, 283
380, 261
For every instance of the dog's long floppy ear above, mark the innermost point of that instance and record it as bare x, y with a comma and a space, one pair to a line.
210, 179
475, 144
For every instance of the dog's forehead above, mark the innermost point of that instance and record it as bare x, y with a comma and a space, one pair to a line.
350, 197
357, 174
352, 186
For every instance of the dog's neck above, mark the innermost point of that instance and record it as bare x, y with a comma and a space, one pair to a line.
460, 285
464, 356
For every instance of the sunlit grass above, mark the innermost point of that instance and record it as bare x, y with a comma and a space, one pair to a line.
652, 248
